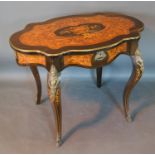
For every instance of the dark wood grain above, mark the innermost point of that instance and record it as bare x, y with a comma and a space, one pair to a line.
99, 76
38, 82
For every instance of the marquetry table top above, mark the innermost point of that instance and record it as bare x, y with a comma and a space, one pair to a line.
77, 33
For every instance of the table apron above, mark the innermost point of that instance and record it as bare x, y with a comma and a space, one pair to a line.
86, 60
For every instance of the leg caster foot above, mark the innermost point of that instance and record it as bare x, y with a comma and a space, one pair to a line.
58, 141
128, 118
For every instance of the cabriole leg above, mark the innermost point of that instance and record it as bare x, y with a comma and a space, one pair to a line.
54, 92
138, 68
38, 82
99, 76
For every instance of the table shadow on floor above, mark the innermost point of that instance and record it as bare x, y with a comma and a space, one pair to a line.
107, 97
143, 96
89, 93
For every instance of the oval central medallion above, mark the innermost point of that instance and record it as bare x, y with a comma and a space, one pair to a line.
79, 30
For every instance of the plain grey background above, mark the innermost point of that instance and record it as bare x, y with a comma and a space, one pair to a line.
15, 15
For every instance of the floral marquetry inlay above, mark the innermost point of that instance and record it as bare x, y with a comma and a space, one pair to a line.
76, 33
44, 34
79, 30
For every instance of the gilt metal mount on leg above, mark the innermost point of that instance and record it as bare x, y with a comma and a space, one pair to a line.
138, 69
54, 92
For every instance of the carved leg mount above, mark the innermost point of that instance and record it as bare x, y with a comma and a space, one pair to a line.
54, 92
138, 68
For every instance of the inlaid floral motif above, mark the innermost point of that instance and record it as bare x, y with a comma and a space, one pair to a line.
79, 30
44, 34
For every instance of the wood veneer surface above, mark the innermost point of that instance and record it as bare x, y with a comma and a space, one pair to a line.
76, 33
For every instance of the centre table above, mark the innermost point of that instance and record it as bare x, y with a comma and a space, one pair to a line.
88, 40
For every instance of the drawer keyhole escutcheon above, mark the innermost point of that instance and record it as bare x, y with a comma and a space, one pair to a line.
100, 55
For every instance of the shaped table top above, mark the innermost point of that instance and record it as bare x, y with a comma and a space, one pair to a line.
77, 33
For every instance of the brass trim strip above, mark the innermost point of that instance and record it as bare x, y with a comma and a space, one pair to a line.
70, 51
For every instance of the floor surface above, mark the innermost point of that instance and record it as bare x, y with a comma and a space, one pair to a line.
93, 119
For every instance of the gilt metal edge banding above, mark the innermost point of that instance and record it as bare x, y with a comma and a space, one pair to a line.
69, 51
